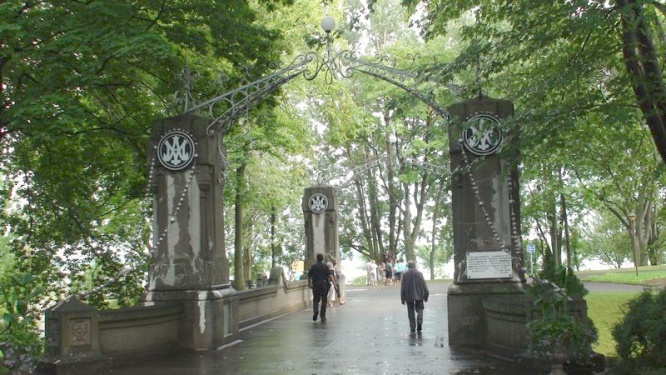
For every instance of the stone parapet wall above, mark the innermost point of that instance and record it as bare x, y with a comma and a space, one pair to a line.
277, 298
83, 340
132, 334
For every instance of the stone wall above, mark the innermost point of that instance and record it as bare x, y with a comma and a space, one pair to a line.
132, 334
82, 340
277, 298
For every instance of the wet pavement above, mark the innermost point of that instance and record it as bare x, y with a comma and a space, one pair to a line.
368, 335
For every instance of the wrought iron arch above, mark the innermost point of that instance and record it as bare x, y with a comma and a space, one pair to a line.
342, 64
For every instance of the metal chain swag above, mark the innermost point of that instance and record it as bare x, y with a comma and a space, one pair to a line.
514, 231
157, 263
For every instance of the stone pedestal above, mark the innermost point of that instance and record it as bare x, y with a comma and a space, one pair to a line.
486, 217
189, 264
210, 317
72, 341
320, 209
469, 321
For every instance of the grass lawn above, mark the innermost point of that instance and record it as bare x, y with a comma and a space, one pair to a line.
646, 276
606, 309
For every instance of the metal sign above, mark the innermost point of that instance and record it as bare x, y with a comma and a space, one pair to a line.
318, 203
176, 150
531, 248
489, 265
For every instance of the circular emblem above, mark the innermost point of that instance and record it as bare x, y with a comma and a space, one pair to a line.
482, 135
318, 203
176, 150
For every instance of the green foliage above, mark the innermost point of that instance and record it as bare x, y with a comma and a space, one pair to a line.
20, 345
82, 81
640, 334
564, 336
81, 84
563, 278
555, 332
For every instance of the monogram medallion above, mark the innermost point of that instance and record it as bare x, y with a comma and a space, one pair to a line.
176, 150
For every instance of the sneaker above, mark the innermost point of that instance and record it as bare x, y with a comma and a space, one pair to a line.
323, 319
314, 317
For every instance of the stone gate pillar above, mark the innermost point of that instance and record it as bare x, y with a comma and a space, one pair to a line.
189, 263
486, 217
320, 208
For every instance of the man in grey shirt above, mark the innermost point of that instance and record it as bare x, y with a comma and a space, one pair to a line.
414, 292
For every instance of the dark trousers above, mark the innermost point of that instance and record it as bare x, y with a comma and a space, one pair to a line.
320, 295
412, 307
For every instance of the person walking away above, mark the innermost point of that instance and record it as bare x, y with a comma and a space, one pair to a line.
388, 274
399, 269
414, 292
318, 281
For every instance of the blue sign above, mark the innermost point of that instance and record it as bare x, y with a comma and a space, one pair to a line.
531, 248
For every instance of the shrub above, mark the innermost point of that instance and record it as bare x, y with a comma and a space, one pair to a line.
555, 333
20, 343
641, 334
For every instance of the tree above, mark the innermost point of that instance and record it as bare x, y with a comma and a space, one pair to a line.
572, 37
565, 75
81, 82
605, 240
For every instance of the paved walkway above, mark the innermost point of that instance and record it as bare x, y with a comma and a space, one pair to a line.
368, 335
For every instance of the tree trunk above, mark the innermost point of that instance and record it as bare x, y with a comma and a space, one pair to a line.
273, 247
239, 275
433, 242
554, 236
407, 226
393, 200
643, 69
565, 221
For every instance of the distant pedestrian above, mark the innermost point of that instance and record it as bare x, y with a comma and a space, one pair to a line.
414, 292
388, 274
400, 267
339, 283
372, 272
318, 281
381, 272
333, 284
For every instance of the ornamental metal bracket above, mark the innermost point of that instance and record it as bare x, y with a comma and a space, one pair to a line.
225, 109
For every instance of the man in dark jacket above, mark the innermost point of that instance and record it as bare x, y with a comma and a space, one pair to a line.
415, 292
318, 281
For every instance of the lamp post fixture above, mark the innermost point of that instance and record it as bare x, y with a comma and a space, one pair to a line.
328, 24
632, 228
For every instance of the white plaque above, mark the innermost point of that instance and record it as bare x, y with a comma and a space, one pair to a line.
489, 265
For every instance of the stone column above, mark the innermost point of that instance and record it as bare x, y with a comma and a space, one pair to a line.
486, 217
320, 209
189, 263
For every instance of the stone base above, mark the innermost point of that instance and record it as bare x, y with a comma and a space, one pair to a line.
210, 316
506, 318
468, 325
74, 365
